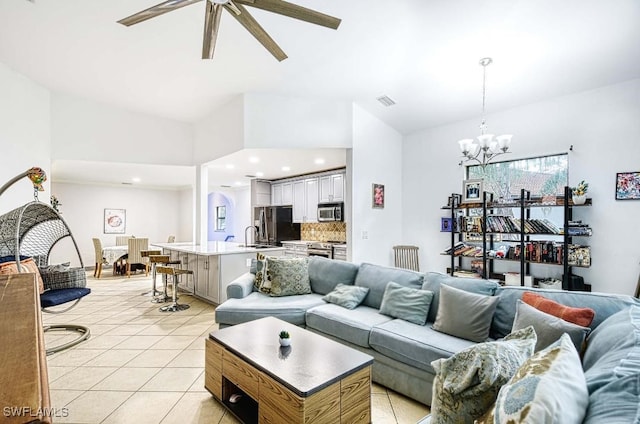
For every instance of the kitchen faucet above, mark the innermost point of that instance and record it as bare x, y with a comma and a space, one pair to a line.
255, 232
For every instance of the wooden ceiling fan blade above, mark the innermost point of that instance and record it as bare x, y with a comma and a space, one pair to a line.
257, 31
211, 27
157, 10
294, 11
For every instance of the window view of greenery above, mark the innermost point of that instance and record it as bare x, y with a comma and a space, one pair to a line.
221, 218
542, 176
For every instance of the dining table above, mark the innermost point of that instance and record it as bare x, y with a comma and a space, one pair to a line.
114, 255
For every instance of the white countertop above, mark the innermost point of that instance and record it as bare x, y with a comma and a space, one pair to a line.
298, 242
213, 248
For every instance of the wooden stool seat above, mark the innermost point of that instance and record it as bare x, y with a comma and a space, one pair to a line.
175, 273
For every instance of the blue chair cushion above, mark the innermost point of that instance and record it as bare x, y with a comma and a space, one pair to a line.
60, 296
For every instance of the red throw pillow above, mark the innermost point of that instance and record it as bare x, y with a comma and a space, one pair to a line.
579, 316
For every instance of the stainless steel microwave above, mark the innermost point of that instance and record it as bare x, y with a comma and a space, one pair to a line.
330, 212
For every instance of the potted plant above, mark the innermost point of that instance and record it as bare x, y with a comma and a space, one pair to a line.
579, 193
285, 339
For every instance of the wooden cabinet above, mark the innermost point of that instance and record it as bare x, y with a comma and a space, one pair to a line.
331, 188
260, 193
295, 250
276, 194
305, 200
206, 272
287, 194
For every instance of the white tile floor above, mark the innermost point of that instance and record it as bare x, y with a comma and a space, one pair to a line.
144, 366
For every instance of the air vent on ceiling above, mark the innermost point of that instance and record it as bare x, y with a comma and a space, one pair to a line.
225, 186
250, 176
125, 183
386, 101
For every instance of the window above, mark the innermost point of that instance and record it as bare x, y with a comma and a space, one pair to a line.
221, 218
542, 176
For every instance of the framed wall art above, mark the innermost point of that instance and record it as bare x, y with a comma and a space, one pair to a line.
472, 191
115, 221
628, 186
377, 196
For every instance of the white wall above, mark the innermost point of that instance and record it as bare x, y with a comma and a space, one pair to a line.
243, 209
291, 122
221, 133
24, 136
186, 215
154, 214
86, 130
376, 158
603, 127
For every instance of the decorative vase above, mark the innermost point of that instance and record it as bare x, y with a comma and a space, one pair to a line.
284, 342
579, 200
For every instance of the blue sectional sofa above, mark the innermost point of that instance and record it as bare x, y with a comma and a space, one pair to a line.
403, 351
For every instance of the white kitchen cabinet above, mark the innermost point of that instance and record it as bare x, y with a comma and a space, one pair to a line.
260, 193
295, 249
276, 195
305, 200
282, 194
331, 188
287, 194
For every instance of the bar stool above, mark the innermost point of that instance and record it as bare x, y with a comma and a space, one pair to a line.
175, 273
147, 254
161, 260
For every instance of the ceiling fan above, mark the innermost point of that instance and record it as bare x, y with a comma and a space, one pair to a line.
237, 9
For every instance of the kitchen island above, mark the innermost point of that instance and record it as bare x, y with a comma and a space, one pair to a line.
214, 265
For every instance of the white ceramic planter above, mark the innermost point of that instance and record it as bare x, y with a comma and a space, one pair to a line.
285, 342
579, 200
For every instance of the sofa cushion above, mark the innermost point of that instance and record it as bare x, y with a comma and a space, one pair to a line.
464, 314
376, 278
259, 305
325, 274
406, 303
433, 280
467, 384
415, 345
548, 328
578, 316
288, 276
352, 325
612, 368
548, 388
346, 296
604, 305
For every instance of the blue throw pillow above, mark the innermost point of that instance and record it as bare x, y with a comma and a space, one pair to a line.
346, 296
406, 303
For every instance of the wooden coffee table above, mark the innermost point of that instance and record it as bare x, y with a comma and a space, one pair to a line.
315, 380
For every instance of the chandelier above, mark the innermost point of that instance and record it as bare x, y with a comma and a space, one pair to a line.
485, 148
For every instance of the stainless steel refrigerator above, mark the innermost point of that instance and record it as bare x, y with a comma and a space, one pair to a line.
275, 225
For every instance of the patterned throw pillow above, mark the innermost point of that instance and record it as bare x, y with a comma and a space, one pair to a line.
288, 276
549, 387
10, 267
467, 384
261, 282
578, 316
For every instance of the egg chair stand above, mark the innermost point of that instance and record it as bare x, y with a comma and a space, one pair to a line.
32, 231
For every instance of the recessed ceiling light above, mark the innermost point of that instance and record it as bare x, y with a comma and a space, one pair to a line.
286, 168
319, 161
136, 179
254, 159
259, 174
230, 166
238, 183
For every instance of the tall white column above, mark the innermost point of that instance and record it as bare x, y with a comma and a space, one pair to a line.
201, 204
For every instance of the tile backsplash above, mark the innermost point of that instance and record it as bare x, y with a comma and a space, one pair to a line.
324, 231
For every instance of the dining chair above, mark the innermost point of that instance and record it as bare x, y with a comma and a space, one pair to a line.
171, 239
136, 246
406, 257
122, 240
97, 246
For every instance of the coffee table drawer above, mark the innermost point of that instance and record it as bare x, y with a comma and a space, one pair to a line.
240, 373
213, 368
